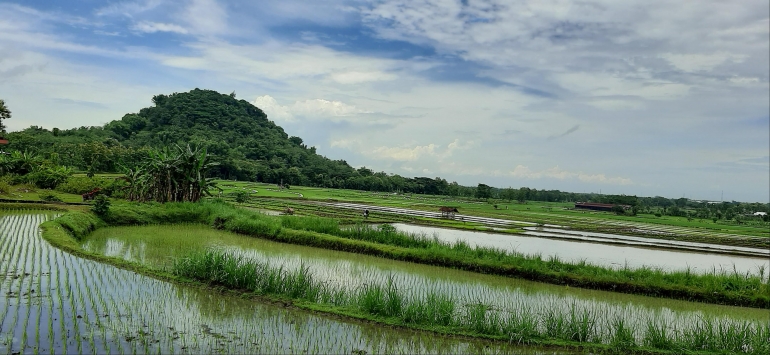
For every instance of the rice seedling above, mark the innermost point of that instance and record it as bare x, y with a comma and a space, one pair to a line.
718, 286
438, 309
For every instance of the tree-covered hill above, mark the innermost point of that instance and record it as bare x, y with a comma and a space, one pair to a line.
247, 145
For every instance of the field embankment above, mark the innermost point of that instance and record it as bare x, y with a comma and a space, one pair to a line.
717, 287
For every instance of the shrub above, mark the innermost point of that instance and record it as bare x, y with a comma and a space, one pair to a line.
101, 206
657, 214
241, 196
49, 196
5, 185
80, 185
48, 177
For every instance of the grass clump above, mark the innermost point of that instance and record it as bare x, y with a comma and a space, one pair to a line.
575, 325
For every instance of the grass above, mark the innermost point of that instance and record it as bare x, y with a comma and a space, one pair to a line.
719, 287
533, 211
124, 313
28, 192
385, 302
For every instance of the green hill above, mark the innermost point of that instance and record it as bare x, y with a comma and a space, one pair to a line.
247, 145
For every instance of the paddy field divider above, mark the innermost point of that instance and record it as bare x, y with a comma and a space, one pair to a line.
383, 304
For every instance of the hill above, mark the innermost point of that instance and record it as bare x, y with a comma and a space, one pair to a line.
246, 143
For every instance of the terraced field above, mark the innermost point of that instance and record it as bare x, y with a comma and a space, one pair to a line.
53, 302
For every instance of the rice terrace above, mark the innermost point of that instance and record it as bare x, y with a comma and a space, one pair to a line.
384, 177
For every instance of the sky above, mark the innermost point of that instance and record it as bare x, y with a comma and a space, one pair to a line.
649, 97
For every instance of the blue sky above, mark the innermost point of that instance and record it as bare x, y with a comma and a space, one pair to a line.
645, 97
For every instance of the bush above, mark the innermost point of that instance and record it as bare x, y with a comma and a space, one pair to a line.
657, 214
241, 196
5, 185
50, 176
80, 185
101, 206
49, 196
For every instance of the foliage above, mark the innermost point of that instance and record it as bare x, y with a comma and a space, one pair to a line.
101, 205
250, 147
241, 196
49, 196
81, 185
5, 185
5, 114
48, 177
483, 191
618, 210
171, 176
715, 287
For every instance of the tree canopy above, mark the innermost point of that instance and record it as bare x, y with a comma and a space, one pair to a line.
5, 114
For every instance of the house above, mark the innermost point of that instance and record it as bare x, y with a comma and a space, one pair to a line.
760, 214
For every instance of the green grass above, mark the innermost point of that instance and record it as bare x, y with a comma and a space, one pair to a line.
717, 287
32, 193
547, 212
575, 326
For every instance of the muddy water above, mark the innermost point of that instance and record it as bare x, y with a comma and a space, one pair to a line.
617, 256
53, 302
351, 270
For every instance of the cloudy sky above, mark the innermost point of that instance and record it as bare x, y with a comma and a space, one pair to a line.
643, 97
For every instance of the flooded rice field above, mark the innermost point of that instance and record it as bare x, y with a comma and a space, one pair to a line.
347, 270
616, 256
650, 242
53, 302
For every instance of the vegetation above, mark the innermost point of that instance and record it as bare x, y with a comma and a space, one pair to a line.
73, 305
176, 175
5, 114
717, 287
250, 147
434, 309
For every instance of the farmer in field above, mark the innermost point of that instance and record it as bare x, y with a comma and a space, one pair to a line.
366, 213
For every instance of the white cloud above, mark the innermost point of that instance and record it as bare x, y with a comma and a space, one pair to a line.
152, 27
356, 77
521, 171
315, 109
128, 8
205, 17
403, 154
701, 62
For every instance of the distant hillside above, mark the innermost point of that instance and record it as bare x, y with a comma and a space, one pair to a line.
247, 145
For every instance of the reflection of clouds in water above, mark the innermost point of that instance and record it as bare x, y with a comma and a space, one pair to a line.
597, 254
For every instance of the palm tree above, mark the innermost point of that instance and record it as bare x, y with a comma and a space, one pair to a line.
5, 114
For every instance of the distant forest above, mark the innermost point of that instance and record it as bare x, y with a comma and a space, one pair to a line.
248, 146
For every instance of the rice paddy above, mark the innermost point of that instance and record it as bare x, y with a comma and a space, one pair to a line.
615, 256
495, 306
54, 302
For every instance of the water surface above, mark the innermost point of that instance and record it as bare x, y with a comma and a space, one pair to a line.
53, 302
158, 245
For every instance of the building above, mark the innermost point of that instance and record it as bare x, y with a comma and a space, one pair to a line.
598, 206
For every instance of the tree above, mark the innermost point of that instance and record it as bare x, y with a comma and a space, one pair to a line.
5, 114
618, 210
483, 191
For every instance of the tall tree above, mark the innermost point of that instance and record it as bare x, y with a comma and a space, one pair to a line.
5, 114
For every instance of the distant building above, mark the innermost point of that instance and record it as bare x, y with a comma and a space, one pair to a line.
598, 206
760, 214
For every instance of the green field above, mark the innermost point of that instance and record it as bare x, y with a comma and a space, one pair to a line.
679, 228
